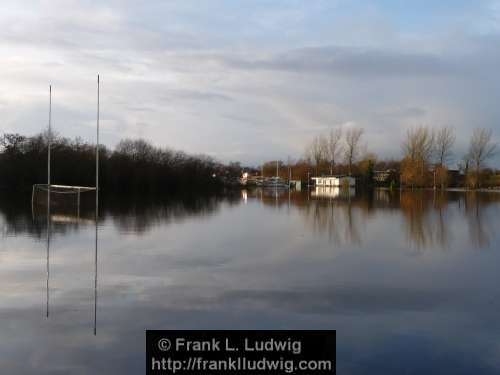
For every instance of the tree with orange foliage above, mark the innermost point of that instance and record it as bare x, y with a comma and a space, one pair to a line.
418, 149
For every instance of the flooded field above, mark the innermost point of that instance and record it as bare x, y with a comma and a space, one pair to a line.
408, 279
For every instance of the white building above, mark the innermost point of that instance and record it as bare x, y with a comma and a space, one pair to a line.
338, 181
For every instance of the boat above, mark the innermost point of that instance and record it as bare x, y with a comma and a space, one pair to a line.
275, 182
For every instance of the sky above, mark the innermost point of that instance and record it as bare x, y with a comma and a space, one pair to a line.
250, 81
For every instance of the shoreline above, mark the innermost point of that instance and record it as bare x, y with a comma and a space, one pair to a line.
459, 190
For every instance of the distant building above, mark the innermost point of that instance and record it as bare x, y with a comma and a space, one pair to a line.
385, 176
337, 181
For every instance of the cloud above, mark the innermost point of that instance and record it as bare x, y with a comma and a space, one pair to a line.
254, 81
183, 94
354, 62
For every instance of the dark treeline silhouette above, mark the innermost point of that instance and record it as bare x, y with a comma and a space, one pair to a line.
133, 166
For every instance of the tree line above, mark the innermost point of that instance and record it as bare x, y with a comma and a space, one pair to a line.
133, 166
138, 166
427, 154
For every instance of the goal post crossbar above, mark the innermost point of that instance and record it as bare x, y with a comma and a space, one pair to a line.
65, 187
60, 189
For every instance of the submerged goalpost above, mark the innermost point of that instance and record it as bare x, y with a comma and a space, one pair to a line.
50, 188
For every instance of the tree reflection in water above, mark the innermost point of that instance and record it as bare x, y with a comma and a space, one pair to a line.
135, 214
427, 216
475, 206
428, 219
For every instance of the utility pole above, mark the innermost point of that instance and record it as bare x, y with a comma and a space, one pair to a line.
434, 177
289, 172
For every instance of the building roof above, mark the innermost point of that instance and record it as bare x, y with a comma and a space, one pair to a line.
333, 176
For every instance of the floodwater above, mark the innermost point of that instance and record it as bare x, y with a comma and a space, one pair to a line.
410, 280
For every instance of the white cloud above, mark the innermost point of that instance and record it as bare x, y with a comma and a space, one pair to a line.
253, 81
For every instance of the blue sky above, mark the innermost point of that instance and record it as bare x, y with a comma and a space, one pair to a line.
251, 80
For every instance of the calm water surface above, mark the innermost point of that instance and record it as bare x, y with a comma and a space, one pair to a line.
410, 280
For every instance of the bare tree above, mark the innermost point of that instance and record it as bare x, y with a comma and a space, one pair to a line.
318, 151
11, 142
419, 144
445, 139
334, 146
481, 148
352, 145
464, 164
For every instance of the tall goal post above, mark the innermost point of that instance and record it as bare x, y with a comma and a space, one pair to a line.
57, 189
97, 156
96, 208
49, 144
67, 190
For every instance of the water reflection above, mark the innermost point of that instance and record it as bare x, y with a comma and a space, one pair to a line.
336, 212
64, 216
129, 214
332, 192
480, 218
257, 259
428, 218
